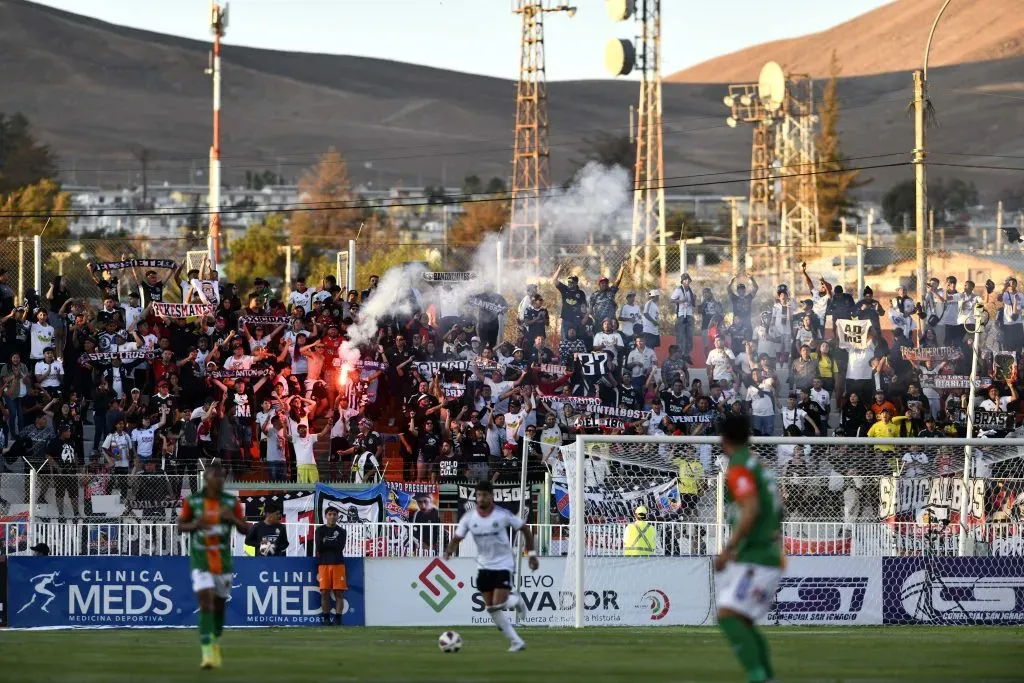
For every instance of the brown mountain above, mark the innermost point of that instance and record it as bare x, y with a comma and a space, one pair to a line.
95, 91
890, 38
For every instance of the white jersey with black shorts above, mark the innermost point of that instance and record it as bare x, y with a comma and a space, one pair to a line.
495, 559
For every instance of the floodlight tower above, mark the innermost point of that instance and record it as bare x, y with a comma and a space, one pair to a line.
218, 26
648, 187
798, 204
531, 163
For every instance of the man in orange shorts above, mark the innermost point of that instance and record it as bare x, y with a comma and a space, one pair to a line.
329, 541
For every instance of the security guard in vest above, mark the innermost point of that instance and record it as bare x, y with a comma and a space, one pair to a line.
639, 539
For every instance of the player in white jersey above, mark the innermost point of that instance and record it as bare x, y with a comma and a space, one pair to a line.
495, 559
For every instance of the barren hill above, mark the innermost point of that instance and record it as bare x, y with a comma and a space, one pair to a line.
95, 91
890, 38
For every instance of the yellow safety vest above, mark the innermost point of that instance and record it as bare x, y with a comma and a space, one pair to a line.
639, 540
691, 472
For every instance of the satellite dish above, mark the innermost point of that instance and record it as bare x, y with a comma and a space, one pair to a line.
771, 86
620, 10
619, 56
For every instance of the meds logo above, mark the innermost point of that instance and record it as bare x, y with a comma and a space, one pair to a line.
440, 583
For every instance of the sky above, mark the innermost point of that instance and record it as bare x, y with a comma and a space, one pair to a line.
476, 36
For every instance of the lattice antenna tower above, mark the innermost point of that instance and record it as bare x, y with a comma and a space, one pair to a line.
621, 56
531, 165
783, 195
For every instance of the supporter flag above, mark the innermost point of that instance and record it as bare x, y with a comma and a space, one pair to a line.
562, 502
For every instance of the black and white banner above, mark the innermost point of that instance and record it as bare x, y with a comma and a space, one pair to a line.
508, 496
133, 263
432, 367
182, 310
592, 364
265, 320
853, 333
431, 276
453, 389
933, 353
240, 373
954, 382
494, 308
993, 419
123, 355
553, 369
575, 401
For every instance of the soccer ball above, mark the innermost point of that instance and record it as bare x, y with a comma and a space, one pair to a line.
450, 641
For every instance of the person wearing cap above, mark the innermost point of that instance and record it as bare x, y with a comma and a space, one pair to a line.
629, 318
685, 301
602, 302
930, 431
40, 550
367, 452
268, 537
652, 333
639, 540
524, 303
639, 362
573, 301
302, 443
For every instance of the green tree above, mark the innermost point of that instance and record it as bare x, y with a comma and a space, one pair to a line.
472, 184
834, 179
31, 209
24, 161
255, 253
383, 260
899, 204
496, 186
952, 196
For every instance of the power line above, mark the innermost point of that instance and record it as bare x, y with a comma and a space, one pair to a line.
400, 203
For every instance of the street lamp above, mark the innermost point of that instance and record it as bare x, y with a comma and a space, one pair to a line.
920, 153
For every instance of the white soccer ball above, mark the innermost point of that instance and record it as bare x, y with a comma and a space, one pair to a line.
450, 641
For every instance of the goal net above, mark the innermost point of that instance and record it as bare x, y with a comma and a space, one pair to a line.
875, 530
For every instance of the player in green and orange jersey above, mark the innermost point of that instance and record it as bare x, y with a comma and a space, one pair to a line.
210, 514
750, 565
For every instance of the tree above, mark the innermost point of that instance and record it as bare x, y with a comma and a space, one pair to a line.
31, 209
608, 150
834, 179
1012, 198
255, 253
479, 219
472, 184
23, 160
952, 196
332, 213
496, 186
899, 204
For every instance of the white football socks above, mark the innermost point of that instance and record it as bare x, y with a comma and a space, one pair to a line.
502, 622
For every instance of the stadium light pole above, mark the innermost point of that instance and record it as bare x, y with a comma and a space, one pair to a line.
218, 26
920, 153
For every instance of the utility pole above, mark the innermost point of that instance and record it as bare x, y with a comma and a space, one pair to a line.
143, 156
60, 256
531, 163
288, 250
920, 180
999, 227
736, 220
871, 227
649, 174
218, 26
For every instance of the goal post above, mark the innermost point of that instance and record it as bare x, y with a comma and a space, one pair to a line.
844, 496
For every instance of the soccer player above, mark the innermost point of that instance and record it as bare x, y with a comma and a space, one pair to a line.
495, 560
751, 563
209, 515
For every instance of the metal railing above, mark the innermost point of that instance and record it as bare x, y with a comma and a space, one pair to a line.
868, 539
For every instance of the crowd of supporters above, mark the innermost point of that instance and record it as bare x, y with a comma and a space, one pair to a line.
170, 368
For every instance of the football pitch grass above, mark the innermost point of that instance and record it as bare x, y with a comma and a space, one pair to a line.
634, 655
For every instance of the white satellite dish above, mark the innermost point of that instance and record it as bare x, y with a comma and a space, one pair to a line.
771, 86
619, 56
620, 10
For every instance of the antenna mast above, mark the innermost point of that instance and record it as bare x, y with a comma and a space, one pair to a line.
218, 26
531, 167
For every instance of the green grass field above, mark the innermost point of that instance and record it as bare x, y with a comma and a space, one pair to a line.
648, 655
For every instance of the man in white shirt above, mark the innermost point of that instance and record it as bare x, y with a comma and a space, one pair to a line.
49, 371
721, 361
1013, 304
301, 296
495, 559
652, 333
760, 395
953, 332
965, 313
629, 318
684, 299
41, 335
639, 363
144, 436
608, 340
303, 442
794, 416
132, 311
995, 403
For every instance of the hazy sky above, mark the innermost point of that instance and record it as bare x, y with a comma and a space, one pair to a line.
479, 36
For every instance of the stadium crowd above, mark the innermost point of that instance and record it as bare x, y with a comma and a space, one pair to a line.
468, 387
